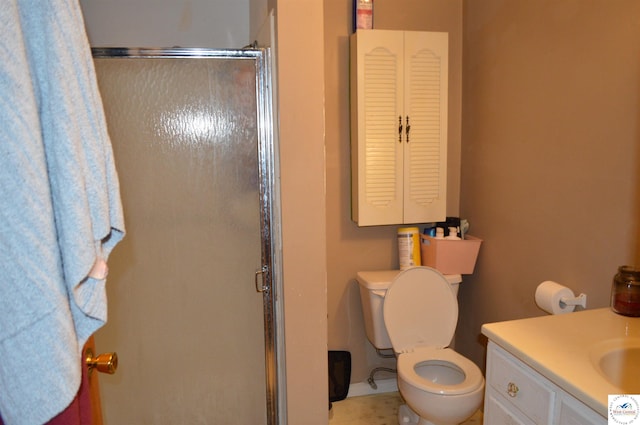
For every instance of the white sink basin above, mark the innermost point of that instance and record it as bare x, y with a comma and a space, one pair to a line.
618, 361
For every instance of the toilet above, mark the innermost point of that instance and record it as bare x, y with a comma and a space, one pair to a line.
420, 313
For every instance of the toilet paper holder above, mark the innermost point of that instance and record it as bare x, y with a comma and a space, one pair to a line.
558, 299
580, 300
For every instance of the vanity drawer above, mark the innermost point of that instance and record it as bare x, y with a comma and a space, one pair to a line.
520, 387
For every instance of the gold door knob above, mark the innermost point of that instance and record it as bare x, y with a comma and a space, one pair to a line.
105, 363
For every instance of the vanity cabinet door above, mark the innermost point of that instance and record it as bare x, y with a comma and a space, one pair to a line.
497, 414
573, 412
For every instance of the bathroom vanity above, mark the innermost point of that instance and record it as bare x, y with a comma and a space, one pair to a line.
560, 369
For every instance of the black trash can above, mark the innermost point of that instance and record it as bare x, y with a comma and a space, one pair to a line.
339, 375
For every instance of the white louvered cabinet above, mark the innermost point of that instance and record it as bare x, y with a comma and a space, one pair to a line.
399, 97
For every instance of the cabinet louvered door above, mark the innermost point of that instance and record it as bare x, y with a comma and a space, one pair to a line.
398, 127
379, 116
425, 109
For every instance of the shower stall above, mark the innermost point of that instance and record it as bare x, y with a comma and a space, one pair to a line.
192, 289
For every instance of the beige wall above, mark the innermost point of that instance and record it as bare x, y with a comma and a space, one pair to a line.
550, 152
168, 23
350, 248
300, 62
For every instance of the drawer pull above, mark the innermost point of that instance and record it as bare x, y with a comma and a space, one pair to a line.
512, 389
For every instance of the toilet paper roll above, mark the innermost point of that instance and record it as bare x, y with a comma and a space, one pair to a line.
548, 295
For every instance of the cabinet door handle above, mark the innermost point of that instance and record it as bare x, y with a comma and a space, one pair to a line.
512, 389
400, 128
408, 128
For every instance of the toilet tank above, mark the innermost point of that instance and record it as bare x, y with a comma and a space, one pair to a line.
373, 288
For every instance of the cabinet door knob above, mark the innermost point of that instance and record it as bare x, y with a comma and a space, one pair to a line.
400, 128
512, 389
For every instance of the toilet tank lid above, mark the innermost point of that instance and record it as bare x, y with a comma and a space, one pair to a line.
381, 279
378, 279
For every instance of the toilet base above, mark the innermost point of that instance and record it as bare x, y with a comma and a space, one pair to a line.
406, 416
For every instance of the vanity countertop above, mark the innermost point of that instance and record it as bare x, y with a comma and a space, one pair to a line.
560, 348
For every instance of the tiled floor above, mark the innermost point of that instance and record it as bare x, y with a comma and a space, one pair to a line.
377, 409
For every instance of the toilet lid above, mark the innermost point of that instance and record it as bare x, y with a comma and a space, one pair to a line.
420, 310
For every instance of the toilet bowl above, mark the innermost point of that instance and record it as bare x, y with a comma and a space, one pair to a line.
440, 386
447, 388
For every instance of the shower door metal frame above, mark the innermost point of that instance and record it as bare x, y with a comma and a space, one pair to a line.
268, 278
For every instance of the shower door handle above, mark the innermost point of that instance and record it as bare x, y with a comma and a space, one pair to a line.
259, 279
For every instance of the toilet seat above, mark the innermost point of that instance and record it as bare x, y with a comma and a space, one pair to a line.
421, 315
407, 363
420, 310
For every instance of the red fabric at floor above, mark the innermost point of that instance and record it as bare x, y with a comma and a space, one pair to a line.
79, 411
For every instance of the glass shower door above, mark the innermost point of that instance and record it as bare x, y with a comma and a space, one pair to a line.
184, 314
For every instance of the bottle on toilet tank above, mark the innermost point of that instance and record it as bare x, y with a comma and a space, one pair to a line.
409, 247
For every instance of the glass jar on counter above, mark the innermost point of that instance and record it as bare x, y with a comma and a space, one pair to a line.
625, 291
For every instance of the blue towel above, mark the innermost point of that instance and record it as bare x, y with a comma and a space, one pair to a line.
60, 210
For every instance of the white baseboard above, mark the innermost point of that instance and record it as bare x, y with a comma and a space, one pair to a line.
363, 388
